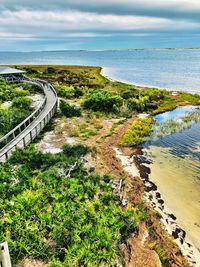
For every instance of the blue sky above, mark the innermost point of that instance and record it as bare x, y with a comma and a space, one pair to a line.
29, 25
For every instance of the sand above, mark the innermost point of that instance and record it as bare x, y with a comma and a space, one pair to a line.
180, 190
177, 196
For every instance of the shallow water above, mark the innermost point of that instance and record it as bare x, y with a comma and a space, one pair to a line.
172, 69
175, 169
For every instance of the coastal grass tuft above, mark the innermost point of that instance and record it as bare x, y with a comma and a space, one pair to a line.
135, 135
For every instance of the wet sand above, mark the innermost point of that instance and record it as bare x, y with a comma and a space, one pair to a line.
180, 191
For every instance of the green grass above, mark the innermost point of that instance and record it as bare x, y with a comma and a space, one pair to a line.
53, 209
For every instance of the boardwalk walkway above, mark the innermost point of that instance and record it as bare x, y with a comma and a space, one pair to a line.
33, 129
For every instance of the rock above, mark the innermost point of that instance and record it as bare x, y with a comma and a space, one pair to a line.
172, 216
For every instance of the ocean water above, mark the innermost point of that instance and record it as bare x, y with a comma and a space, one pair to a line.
171, 69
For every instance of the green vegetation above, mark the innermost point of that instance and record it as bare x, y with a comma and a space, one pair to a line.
68, 92
136, 133
83, 131
163, 258
76, 82
15, 106
12, 115
145, 100
71, 76
75, 151
69, 110
22, 103
103, 101
53, 209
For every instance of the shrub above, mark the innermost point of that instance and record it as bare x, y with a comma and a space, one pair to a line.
78, 92
22, 102
103, 101
65, 91
69, 110
130, 93
75, 151
136, 133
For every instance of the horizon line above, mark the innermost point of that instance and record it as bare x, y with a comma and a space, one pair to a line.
103, 50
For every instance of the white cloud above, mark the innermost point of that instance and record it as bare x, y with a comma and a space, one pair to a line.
72, 23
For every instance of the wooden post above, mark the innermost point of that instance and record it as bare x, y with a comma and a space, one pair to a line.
31, 136
24, 141
5, 255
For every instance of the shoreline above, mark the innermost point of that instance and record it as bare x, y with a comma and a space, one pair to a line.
137, 165
139, 85
153, 195
168, 219
104, 74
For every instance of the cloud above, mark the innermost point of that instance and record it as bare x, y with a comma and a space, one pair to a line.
72, 19
183, 9
72, 23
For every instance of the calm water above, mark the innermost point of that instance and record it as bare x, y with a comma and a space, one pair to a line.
175, 168
172, 69
183, 145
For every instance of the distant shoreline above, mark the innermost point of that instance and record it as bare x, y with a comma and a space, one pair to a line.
107, 50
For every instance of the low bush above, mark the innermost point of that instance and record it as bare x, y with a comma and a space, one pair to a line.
22, 102
103, 101
136, 133
69, 110
78, 93
75, 151
9, 118
65, 91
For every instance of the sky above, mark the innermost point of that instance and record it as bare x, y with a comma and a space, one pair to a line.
37, 25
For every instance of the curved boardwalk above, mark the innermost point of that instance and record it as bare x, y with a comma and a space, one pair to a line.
36, 126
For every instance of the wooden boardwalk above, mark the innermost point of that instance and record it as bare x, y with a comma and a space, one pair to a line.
32, 128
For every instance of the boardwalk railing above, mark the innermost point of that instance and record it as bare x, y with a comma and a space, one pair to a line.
20, 127
24, 133
4, 255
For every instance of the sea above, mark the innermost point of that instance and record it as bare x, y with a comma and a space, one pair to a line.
175, 158
174, 69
